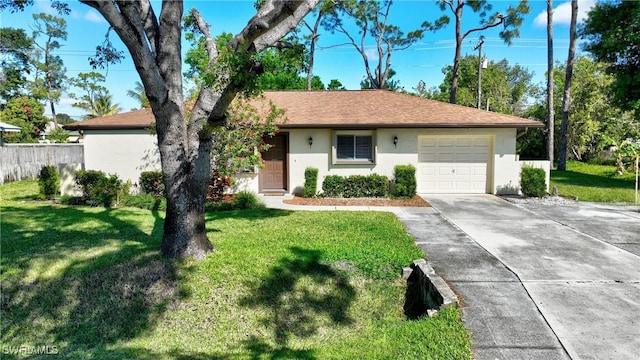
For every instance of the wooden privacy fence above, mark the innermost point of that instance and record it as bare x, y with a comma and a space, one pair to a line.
24, 161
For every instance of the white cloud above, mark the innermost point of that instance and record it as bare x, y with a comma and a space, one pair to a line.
94, 17
562, 13
372, 54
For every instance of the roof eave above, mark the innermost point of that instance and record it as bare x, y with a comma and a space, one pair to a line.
107, 127
414, 126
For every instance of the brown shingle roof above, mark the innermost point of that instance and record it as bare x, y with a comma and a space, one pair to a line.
350, 109
137, 119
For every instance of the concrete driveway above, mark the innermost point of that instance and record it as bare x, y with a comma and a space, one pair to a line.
578, 264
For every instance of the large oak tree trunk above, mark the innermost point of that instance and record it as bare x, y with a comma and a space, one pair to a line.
185, 141
184, 227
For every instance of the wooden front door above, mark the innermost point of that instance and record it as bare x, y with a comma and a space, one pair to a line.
273, 176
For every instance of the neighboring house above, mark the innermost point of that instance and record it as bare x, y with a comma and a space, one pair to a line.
4, 127
455, 149
120, 144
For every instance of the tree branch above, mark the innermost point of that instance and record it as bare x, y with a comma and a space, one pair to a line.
151, 25
274, 20
208, 39
487, 26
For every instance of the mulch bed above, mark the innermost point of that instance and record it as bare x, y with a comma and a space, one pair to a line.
415, 201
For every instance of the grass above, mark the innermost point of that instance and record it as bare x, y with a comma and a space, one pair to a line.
90, 283
595, 183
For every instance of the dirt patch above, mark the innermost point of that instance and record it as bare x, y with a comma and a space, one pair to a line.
415, 201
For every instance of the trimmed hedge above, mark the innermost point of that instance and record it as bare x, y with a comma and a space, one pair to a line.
533, 181
405, 181
310, 182
355, 186
151, 183
48, 181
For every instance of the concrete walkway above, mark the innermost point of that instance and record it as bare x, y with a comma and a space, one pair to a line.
532, 286
587, 289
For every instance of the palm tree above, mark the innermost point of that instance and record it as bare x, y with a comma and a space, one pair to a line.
103, 106
139, 94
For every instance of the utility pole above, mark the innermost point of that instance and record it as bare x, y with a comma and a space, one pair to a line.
479, 48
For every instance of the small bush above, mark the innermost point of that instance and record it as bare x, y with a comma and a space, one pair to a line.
405, 181
373, 185
145, 201
246, 200
87, 179
108, 191
48, 180
151, 183
310, 182
100, 189
218, 183
533, 182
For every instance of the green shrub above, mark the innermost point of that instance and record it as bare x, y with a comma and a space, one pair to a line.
310, 182
333, 186
71, 200
533, 182
373, 185
48, 180
246, 200
145, 201
108, 191
100, 189
405, 181
87, 179
151, 183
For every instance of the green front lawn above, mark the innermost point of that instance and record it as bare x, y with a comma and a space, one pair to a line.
90, 283
597, 183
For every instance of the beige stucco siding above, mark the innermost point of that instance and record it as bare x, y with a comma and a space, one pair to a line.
129, 152
503, 168
126, 153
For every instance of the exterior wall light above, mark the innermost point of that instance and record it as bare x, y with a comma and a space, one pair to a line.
310, 141
395, 141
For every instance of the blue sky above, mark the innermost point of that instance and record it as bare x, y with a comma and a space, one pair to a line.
423, 61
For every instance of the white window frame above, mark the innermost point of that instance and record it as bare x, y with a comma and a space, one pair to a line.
334, 147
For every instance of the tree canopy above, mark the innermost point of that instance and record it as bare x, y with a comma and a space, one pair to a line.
16, 47
594, 116
27, 114
612, 32
505, 87
510, 22
96, 99
50, 71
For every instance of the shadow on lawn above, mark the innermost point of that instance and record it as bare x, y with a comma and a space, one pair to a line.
84, 289
301, 295
112, 283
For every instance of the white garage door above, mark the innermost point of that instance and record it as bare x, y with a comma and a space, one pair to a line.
453, 164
